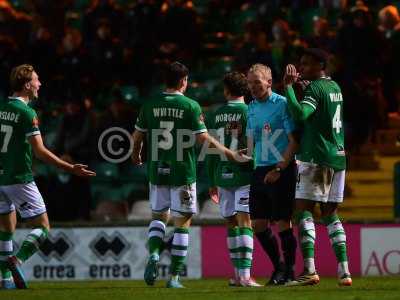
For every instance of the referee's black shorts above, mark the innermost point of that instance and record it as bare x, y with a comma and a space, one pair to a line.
273, 201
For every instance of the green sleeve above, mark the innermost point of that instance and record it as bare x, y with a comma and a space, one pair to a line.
30, 123
197, 120
299, 111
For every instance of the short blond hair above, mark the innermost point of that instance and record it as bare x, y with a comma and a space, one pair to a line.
20, 75
264, 70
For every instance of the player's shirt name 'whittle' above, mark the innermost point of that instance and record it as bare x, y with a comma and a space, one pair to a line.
168, 112
228, 118
336, 97
9, 116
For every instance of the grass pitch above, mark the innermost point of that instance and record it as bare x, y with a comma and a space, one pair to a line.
378, 288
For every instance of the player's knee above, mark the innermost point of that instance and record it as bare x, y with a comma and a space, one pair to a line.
243, 220
231, 222
328, 209
259, 225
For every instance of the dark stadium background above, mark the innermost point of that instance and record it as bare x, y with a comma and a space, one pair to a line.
98, 61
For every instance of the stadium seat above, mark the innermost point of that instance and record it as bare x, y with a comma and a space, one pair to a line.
109, 211
140, 211
210, 211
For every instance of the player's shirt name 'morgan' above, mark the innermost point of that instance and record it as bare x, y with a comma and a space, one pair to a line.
228, 117
168, 112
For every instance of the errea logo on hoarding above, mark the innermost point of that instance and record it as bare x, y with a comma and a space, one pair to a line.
114, 245
56, 246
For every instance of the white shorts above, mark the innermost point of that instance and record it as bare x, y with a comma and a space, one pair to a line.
178, 199
25, 197
233, 200
319, 183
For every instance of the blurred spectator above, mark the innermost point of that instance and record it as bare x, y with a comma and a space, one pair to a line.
43, 52
118, 114
322, 36
9, 54
73, 139
105, 53
365, 109
359, 41
283, 47
102, 10
179, 26
254, 48
389, 21
72, 60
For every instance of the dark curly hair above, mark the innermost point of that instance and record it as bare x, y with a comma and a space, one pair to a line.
236, 84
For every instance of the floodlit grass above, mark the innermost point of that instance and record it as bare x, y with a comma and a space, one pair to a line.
381, 288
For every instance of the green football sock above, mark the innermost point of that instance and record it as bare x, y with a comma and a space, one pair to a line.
156, 237
307, 239
245, 246
233, 234
32, 243
337, 237
6, 249
179, 248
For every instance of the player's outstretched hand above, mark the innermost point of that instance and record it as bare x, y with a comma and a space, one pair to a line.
291, 75
82, 171
213, 192
241, 156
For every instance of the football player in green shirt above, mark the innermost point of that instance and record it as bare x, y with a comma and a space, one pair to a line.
230, 181
172, 124
19, 137
321, 161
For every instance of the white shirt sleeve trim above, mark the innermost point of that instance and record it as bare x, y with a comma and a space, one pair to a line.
309, 103
36, 132
140, 129
200, 131
311, 98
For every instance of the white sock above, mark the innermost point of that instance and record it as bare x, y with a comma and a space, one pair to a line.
343, 268
309, 265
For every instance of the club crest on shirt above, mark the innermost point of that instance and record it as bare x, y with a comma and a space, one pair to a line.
267, 128
186, 198
35, 122
201, 118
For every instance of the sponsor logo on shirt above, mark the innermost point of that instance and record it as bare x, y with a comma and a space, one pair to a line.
244, 201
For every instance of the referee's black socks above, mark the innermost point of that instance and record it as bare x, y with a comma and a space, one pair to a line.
270, 245
288, 245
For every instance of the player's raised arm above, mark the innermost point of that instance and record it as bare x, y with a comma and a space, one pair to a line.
298, 111
42, 153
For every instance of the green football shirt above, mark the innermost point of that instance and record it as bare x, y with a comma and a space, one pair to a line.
171, 122
17, 123
229, 124
323, 137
